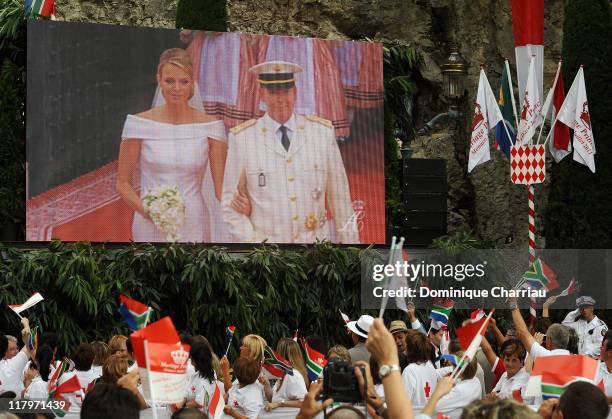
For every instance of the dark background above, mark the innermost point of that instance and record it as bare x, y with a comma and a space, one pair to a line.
83, 79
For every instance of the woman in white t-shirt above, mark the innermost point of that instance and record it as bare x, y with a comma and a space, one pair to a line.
466, 390
515, 378
252, 347
38, 388
420, 376
201, 387
245, 398
290, 390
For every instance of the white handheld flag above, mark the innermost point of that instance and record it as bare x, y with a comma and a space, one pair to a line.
486, 116
32, 301
575, 114
531, 111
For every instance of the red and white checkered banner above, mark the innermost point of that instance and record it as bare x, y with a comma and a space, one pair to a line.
528, 164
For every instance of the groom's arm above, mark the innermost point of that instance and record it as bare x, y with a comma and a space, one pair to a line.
239, 225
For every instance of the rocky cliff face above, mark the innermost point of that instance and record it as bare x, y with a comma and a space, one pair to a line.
484, 200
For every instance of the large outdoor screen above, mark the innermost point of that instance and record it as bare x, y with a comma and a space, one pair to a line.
157, 135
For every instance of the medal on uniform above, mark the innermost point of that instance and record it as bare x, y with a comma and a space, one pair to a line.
262, 179
316, 194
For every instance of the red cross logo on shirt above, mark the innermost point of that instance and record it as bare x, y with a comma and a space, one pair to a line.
236, 403
193, 389
427, 389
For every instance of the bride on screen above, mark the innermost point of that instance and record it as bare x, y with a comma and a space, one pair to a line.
173, 143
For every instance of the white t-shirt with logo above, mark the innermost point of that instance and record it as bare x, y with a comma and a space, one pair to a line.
420, 382
247, 400
505, 386
201, 390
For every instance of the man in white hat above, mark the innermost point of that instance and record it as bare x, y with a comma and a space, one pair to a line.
359, 333
589, 328
283, 168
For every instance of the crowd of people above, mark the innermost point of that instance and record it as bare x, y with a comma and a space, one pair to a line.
401, 372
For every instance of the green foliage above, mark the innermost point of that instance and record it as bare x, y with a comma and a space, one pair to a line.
269, 291
209, 15
401, 68
461, 240
12, 112
401, 64
580, 208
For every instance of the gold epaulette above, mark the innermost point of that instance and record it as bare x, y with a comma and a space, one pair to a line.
321, 121
243, 126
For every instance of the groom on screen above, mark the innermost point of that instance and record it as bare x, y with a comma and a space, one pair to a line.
283, 168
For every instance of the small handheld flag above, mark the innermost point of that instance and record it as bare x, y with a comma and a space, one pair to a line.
315, 361
40, 7
216, 404
453, 359
33, 339
440, 311
230, 335
135, 313
540, 276
32, 301
276, 364
572, 288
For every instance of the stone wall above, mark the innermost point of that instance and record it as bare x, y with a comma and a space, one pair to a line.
484, 201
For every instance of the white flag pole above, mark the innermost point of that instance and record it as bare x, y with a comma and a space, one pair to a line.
383, 304
147, 318
229, 344
149, 379
507, 64
552, 89
458, 371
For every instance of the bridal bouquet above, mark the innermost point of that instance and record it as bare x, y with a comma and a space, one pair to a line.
166, 207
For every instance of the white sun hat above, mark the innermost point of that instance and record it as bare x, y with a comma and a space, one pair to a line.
362, 326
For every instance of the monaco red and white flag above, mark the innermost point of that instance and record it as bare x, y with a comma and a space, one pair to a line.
531, 111
32, 301
486, 116
559, 144
575, 114
528, 26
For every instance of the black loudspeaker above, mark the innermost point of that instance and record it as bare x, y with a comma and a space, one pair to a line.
425, 190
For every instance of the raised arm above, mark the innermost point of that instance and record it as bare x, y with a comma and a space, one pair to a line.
129, 155
239, 225
488, 351
499, 336
549, 301
520, 325
381, 345
217, 153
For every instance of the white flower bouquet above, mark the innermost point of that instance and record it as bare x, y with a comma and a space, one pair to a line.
166, 207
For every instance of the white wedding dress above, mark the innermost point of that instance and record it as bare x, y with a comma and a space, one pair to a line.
174, 155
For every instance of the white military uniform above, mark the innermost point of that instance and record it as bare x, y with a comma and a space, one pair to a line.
288, 189
590, 334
